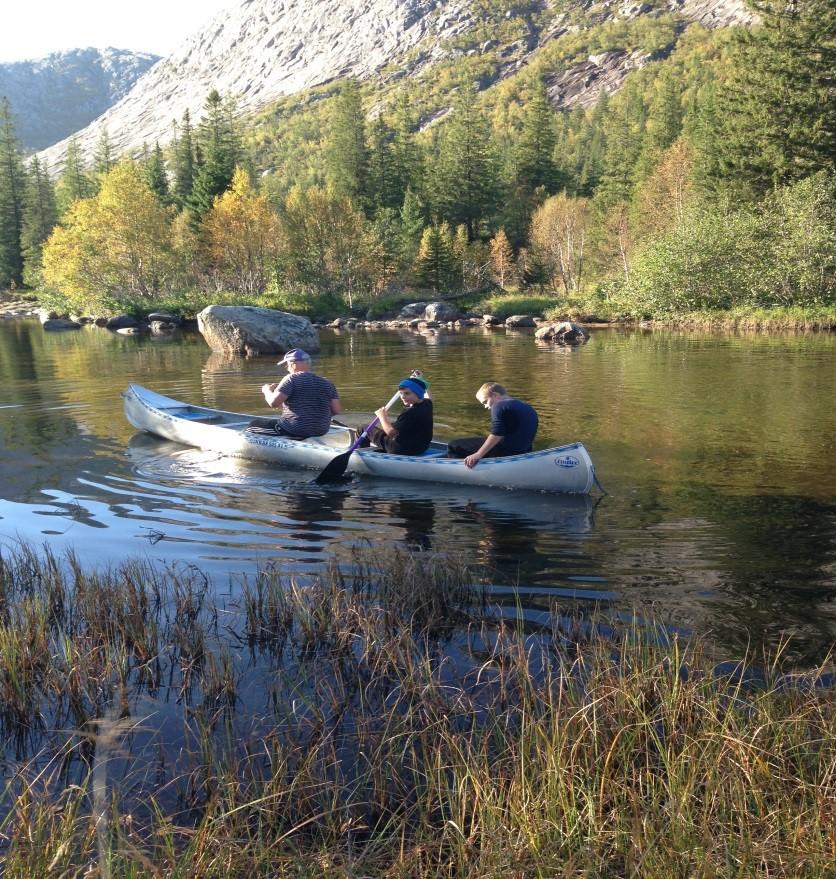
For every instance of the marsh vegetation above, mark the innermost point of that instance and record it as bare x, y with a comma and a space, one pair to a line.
381, 719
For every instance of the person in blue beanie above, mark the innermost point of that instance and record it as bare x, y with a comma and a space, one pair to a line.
412, 432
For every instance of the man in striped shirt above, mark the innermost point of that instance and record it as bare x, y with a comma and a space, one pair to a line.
308, 400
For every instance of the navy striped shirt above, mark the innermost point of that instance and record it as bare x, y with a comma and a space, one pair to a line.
307, 409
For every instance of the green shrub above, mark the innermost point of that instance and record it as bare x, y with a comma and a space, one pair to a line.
503, 305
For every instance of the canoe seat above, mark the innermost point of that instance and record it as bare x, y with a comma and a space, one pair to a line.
198, 416
434, 453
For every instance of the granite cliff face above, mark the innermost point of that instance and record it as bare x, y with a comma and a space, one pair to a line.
53, 97
265, 49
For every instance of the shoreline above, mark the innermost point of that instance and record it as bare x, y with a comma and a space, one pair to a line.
754, 321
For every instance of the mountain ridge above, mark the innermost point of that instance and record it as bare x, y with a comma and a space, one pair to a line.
56, 95
264, 50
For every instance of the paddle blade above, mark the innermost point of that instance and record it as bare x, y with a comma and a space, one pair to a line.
334, 469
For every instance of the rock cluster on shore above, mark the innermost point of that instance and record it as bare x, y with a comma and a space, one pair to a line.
427, 318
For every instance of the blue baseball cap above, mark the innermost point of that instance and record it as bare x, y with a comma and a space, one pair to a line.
294, 355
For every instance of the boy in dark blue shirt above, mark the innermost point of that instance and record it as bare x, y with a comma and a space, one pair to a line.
513, 428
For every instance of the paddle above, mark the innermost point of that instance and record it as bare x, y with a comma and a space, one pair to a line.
335, 468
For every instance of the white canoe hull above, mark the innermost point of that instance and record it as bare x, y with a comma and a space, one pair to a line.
566, 469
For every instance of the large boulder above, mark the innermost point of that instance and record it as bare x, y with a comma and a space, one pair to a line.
566, 332
441, 312
246, 330
414, 309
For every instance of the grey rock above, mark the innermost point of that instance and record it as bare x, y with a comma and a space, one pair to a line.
441, 311
519, 320
163, 327
121, 322
566, 332
60, 323
414, 309
165, 317
247, 330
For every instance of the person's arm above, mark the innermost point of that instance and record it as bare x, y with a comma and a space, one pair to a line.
276, 393
336, 406
385, 423
490, 441
273, 395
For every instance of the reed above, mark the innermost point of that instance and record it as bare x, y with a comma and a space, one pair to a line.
379, 720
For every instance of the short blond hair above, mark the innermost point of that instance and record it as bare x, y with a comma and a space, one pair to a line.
491, 388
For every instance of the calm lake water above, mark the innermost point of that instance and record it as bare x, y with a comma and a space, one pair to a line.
718, 453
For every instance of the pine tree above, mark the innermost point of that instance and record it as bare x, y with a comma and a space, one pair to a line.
347, 156
40, 216
11, 199
220, 150
777, 110
464, 189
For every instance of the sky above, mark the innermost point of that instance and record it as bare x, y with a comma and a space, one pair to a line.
34, 28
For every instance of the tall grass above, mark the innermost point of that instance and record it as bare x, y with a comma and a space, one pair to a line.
378, 720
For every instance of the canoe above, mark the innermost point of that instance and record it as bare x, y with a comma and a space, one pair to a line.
565, 469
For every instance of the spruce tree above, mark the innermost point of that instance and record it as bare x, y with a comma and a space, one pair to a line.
156, 176
777, 109
664, 123
346, 156
103, 157
383, 185
407, 159
40, 216
464, 189
220, 150
11, 199
435, 264
74, 182
534, 150
412, 221
590, 153
183, 161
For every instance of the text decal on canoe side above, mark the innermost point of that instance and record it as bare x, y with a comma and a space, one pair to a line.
567, 461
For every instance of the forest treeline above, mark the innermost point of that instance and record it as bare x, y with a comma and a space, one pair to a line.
706, 183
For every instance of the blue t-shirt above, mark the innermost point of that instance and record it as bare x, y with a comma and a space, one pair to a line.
516, 422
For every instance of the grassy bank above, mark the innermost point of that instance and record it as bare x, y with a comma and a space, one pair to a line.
379, 721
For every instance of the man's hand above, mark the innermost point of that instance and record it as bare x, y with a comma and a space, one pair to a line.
471, 461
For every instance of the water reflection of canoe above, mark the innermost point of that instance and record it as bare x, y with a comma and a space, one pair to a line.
566, 469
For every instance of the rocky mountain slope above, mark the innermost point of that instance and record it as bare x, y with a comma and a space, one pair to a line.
53, 97
265, 49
